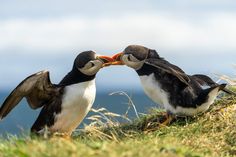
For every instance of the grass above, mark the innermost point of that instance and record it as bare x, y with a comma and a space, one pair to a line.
209, 134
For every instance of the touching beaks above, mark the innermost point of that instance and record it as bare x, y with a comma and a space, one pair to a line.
106, 60
117, 59
114, 60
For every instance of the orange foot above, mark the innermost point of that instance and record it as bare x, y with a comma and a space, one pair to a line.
65, 136
168, 120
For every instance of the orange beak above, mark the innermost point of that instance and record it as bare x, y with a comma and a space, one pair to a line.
106, 60
117, 59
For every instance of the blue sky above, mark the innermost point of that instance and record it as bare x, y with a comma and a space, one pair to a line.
199, 36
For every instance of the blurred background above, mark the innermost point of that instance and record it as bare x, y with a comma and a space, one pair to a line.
199, 36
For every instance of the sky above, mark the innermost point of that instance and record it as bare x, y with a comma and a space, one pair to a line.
199, 36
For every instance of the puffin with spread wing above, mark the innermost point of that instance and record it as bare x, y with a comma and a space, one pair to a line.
64, 105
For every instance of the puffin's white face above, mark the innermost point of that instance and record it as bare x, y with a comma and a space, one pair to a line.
132, 61
133, 56
92, 67
94, 63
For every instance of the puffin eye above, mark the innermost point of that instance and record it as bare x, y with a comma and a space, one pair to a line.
129, 58
92, 64
89, 65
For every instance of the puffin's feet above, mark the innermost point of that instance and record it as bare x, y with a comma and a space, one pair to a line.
169, 117
159, 122
65, 136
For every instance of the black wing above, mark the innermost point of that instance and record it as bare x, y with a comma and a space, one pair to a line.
169, 68
205, 80
36, 88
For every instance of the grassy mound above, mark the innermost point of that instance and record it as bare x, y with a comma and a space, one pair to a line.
209, 134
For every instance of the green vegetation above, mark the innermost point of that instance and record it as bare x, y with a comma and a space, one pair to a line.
210, 134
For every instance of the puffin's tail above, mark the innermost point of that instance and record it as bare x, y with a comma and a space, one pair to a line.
229, 91
222, 87
205, 80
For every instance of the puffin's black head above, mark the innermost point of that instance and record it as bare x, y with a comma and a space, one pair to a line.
134, 56
89, 63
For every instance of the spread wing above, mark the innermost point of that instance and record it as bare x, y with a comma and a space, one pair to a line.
36, 88
169, 68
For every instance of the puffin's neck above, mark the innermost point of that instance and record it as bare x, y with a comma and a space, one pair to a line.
145, 70
74, 77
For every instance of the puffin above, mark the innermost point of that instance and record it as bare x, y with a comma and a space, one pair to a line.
168, 85
64, 105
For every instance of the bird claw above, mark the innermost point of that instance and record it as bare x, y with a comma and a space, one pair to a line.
167, 121
65, 136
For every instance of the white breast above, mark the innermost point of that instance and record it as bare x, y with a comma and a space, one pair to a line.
76, 103
152, 88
